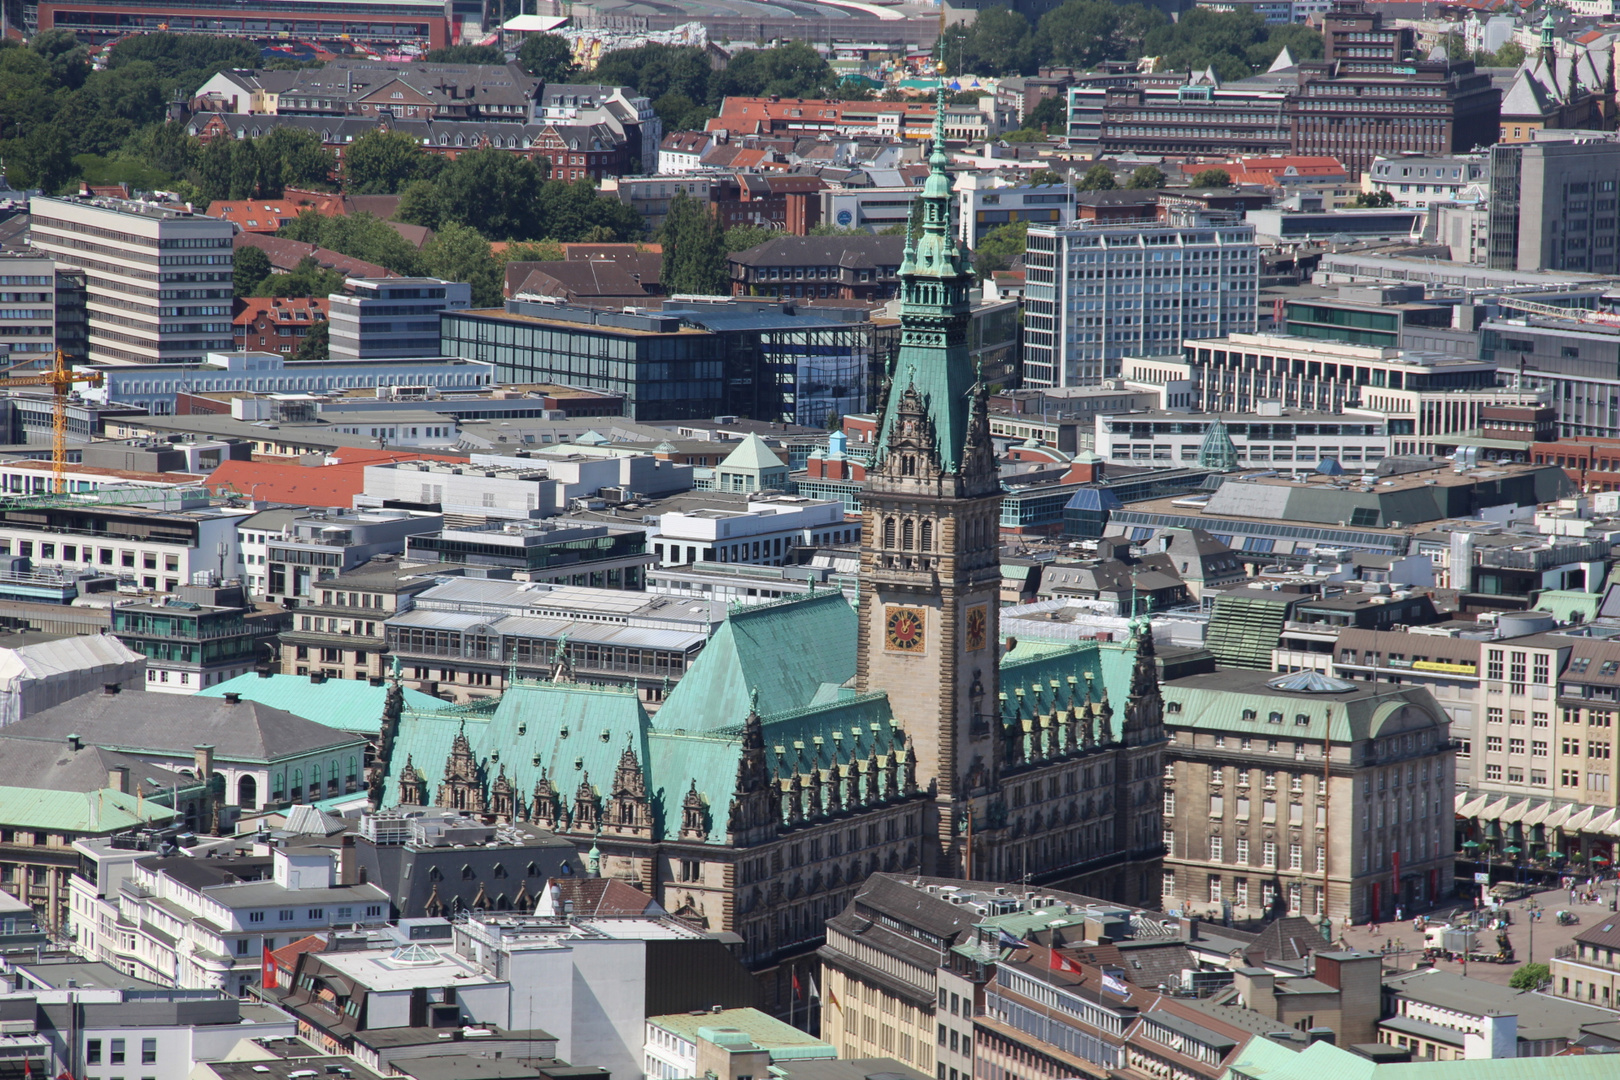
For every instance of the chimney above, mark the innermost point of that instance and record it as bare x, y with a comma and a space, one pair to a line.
376, 680
264, 672
204, 760
317, 677
232, 698
118, 779
109, 689
347, 874
75, 741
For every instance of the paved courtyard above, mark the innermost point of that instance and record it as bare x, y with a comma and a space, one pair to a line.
1407, 944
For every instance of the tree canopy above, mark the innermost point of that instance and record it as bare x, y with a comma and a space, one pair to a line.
1530, 976
686, 91
548, 58
694, 249
1097, 178
465, 54
1000, 247
1084, 33
1146, 178
1212, 178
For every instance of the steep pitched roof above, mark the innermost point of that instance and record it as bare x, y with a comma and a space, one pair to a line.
752, 453
762, 648
175, 724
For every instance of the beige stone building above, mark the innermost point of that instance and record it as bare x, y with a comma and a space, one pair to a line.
1258, 821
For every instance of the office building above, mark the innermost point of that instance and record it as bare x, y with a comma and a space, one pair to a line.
1426, 395
206, 923
1575, 363
326, 543
1097, 293
1285, 439
157, 280
377, 318
1369, 94
810, 267
156, 390
1258, 824
1170, 113
198, 637
340, 631
424, 23
986, 203
35, 296
765, 532
561, 551
1552, 203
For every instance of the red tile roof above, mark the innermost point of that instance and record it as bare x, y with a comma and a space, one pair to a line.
333, 484
286, 254
289, 310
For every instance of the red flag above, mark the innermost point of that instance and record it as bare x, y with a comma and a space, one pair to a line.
1059, 962
267, 977
798, 994
28, 1068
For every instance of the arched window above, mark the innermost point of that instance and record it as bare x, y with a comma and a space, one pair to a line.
314, 780
297, 785
908, 535
247, 793
888, 533
927, 536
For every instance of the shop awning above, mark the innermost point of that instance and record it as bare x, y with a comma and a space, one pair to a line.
1470, 805
1558, 817
1514, 812
1602, 823
1580, 819
1537, 815
1493, 809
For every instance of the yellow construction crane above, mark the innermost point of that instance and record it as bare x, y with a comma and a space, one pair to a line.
60, 378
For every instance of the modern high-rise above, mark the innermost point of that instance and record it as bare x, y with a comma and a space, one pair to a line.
392, 317
1096, 293
157, 280
28, 309
1552, 203
1369, 95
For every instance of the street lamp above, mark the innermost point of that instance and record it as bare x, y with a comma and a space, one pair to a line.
1533, 914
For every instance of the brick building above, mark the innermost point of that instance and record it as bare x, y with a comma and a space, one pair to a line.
276, 323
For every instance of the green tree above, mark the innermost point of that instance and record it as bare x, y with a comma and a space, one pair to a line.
493, 191
308, 278
1000, 247
1510, 55
792, 69
295, 158
655, 70
42, 159
1048, 113
67, 57
1530, 976
548, 58
1302, 42
361, 236
681, 113
1373, 200
1146, 178
187, 58
532, 251
694, 249
1025, 135
1097, 178
421, 203
165, 147
1045, 176
382, 162
576, 212
316, 344
1208, 178
251, 267
742, 237
460, 253
465, 54
998, 42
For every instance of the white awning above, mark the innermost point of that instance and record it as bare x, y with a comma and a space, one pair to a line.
1514, 811
1558, 817
1469, 806
1494, 808
1602, 823
1580, 819
1538, 814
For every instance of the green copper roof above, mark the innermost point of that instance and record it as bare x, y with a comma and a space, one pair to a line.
345, 704
761, 1029
1244, 703
1263, 1059
752, 453
84, 812
935, 279
568, 729
784, 649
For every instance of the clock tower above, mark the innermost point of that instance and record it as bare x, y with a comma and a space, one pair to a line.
930, 566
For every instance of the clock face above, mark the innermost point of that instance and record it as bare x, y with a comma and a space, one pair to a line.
978, 623
903, 629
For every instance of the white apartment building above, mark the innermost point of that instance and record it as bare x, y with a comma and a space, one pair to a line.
158, 546
765, 533
984, 203
158, 280
1096, 293
1273, 438
391, 317
1421, 180
1426, 395
205, 923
